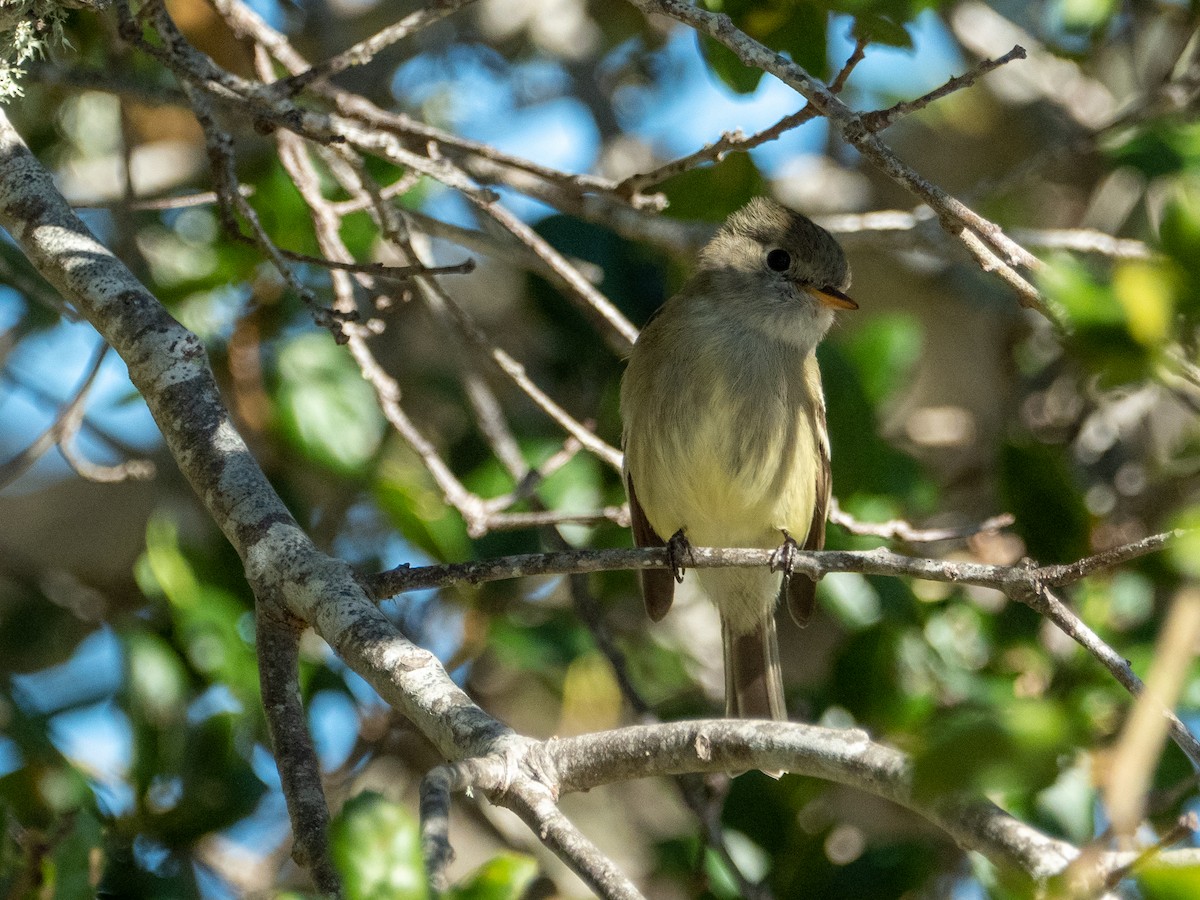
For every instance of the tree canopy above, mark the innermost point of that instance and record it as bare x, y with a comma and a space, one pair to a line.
315, 566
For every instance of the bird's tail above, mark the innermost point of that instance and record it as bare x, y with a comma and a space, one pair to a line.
753, 681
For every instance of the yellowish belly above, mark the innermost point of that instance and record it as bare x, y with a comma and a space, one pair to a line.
728, 474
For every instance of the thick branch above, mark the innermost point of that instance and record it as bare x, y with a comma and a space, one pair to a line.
845, 756
168, 365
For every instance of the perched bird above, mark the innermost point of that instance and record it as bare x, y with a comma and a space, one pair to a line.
724, 431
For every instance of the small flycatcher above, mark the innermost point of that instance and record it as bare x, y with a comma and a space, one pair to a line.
724, 430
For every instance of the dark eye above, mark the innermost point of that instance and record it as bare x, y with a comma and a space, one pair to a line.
779, 260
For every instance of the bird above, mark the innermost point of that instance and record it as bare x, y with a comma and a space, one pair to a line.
724, 433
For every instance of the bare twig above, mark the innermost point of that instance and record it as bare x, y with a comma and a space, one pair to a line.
19, 464
445, 143
618, 332
220, 153
1185, 827
992, 249
732, 141
62, 432
387, 391
900, 530
247, 23
815, 564
1078, 240
885, 118
365, 51
1044, 601
1027, 584
160, 204
379, 270
1083, 240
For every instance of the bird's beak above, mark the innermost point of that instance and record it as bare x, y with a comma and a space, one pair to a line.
832, 297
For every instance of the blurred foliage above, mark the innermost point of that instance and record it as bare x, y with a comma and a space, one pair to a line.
134, 758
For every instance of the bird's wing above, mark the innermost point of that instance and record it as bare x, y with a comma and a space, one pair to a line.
800, 591
658, 585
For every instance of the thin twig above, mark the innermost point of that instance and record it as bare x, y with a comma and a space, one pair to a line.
220, 153
444, 143
19, 464
1078, 240
443, 305
1140, 745
900, 530
992, 249
1183, 828
735, 140
1044, 601
379, 270
365, 51
885, 118
815, 564
616, 330
387, 391
1028, 584
62, 432
1083, 240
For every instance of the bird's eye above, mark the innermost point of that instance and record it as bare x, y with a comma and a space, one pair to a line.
779, 260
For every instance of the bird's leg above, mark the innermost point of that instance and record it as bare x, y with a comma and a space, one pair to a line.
677, 548
784, 558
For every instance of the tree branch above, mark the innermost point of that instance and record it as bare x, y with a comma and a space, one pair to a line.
885, 118
277, 641
815, 564
992, 249
365, 51
168, 366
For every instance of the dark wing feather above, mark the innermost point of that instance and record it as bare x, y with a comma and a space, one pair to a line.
658, 585
799, 590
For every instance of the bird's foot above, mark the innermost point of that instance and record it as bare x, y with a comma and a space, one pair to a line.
784, 558
677, 548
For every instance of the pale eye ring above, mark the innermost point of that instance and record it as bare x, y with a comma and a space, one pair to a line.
779, 260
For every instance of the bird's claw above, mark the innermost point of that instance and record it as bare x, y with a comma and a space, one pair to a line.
784, 558
677, 548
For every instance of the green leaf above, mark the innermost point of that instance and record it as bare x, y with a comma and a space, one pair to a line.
74, 857
405, 491
216, 784
207, 618
1160, 881
881, 30
713, 192
376, 845
1162, 147
326, 409
1037, 487
1088, 302
1015, 746
1184, 552
156, 681
726, 65
795, 29
40, 792
1086, 15
1179, 237
1119, 324
503, 877
884, 350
